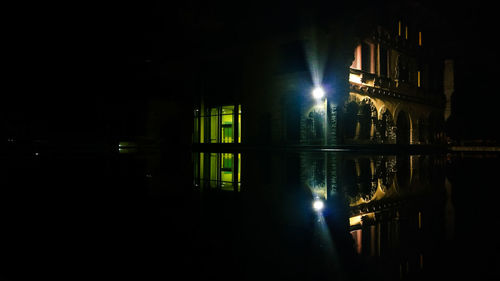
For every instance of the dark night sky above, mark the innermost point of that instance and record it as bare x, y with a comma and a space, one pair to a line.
68, 58
471, 42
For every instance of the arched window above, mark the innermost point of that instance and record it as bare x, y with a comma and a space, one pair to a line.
386, 127
350, 120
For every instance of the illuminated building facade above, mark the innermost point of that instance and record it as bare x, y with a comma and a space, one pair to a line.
381, 85
380, 79
395, 91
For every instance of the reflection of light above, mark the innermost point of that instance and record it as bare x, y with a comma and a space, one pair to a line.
419, 220
126, 144
318, 93
355, 220
358, 220
326, 247
127, 147
318, 205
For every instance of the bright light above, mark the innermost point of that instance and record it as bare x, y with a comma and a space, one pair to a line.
318, 205
355, 220
318, 93
356, 78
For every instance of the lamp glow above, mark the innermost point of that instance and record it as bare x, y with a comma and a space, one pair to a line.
318, 93
318, 205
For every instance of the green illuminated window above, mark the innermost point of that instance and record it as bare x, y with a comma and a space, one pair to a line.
239, 124
227, 124
214, 125
221, 124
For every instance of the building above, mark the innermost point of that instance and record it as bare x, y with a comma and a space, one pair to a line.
356, 76
381, 83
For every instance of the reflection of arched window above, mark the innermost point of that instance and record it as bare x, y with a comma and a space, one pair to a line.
435, 128
386, 169
403, 128
364, 178
317, 176
424, 168
403, 171
348, 177
422, 131
436, 172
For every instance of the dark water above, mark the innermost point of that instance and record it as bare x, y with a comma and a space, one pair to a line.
154, 215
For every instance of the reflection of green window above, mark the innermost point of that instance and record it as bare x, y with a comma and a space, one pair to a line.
218, 170
217, 124
227, 133
227, 161
214, 173
227, 124
227, 171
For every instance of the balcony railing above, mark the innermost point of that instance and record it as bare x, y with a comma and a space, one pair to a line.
372, 84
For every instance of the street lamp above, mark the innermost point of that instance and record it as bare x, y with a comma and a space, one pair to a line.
318, 93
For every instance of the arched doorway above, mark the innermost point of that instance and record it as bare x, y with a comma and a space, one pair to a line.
367, 116
386, 128
403, 173
422, 131
350, 120
403, 128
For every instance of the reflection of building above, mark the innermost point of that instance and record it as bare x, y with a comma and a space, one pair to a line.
218, 170
394, 208
392, 205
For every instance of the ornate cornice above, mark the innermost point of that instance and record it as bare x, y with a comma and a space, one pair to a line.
388, 93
